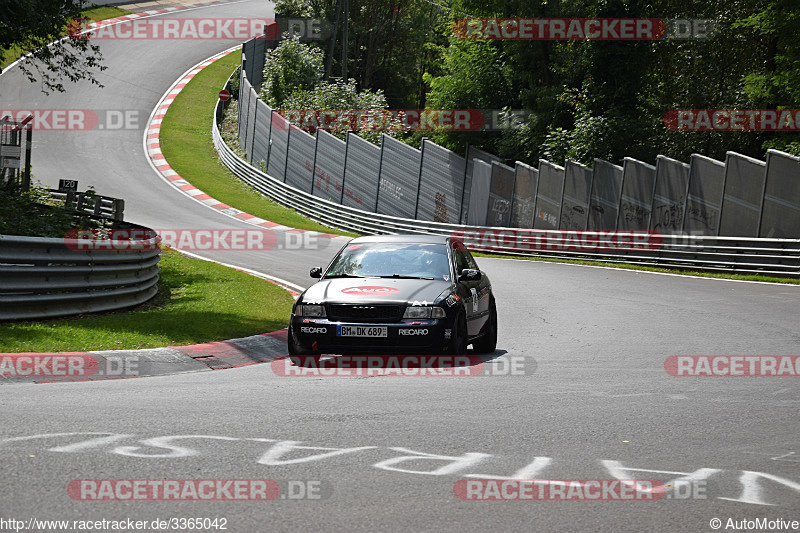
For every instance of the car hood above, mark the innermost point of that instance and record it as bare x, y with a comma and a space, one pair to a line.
375, 290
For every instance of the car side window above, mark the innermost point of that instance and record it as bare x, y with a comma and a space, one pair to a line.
461, 261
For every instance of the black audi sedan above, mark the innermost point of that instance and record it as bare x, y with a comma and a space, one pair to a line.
396, 294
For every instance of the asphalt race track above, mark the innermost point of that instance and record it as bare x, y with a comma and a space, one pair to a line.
139, 73
589, 397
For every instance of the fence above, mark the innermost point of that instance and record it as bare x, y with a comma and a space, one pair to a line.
15, 151
91, 204
49, 277
779, 257
740, 197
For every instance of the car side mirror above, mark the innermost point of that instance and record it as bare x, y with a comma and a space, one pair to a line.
316, 272
470, 274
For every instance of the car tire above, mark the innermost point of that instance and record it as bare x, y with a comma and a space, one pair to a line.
303, 357
487, 343
458, 342
293, 348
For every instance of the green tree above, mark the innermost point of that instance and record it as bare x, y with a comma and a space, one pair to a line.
290, 66
345, 96
36, 27
775, 82
293, 8
587, 98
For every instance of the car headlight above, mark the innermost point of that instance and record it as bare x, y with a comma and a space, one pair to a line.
424, 312
310, 310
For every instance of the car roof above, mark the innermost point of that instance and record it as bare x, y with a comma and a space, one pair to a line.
420, 239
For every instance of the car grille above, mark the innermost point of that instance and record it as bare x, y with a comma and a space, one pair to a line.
365, 312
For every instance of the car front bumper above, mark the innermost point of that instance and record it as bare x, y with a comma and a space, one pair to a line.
408, 336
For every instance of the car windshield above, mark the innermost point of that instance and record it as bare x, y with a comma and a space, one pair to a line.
374, 259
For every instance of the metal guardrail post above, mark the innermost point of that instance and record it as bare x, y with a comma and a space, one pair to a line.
419, 178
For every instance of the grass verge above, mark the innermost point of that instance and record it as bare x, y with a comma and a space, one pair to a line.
96, 13
187, 145
198, 301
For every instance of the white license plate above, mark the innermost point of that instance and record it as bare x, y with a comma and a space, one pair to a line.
361, 331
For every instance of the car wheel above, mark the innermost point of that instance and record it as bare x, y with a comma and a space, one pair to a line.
294, 349
303, 357
458, 342
488, 342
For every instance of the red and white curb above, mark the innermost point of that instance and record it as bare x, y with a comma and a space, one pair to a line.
152, 147
206, 356
158, 162
126, 364
94, 26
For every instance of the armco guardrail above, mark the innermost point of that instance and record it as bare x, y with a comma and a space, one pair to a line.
51, 277
779, 257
